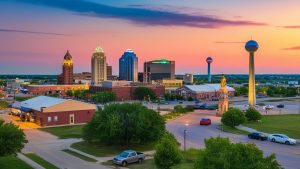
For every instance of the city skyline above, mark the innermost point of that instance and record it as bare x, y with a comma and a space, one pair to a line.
202, 29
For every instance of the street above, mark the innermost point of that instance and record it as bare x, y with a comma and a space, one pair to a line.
288, 156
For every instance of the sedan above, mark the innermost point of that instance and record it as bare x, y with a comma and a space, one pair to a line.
280, 106
268, 107
281, 138
205, 121
258, 136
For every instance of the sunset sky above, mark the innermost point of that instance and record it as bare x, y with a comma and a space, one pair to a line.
35, 34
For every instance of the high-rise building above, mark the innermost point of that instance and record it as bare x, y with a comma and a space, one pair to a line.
251, 46
188, 78
158, 70
209, 60
99, 70
223, 97
66, 78
128, 66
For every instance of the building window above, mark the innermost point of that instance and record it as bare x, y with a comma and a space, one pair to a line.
49, 119
55, 118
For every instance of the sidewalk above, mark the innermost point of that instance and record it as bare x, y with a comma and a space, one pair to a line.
29, 161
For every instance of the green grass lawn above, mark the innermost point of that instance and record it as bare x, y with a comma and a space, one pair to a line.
85, 158
232, 130
106, 151
65, 131
172, 115
187, 162
285, 124
13, 162
41, 161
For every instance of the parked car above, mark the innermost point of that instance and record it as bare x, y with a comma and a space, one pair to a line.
281, 138
203, 106
205, 121
129, 156
258, 136
268, 107
212, 107
280, 106
197, 106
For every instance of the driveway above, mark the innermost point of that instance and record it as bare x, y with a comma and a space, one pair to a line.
49, 147
288, 156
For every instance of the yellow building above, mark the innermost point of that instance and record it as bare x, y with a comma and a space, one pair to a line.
167, 83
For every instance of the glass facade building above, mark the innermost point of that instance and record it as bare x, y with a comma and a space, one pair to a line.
128, 66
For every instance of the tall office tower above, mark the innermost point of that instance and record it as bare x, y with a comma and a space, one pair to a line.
99, 73
128, 66
251, 46
158, 70
223, 97
209, 60
66, 78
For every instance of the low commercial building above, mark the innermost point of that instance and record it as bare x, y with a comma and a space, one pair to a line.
125, 90
170, 83
188, 79
54, 89
50, 111
208, 92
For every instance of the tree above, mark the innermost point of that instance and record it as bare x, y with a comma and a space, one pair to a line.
104, 97
233, 117
220, 153
167, 152
70, 93
3, 104
12, 139
142, 93
1, 95
252, 114
124, 124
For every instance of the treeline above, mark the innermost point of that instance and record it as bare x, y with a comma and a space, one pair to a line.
272, 91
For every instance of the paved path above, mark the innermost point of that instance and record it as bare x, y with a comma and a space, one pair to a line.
49, 147
29, 161
288, 156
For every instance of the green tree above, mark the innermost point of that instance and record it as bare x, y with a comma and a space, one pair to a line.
220, 153
70, 93
104, 97
142, 93
189, 108
252, 114
167, 153
124, 124
3, 104
233, 117
12, 139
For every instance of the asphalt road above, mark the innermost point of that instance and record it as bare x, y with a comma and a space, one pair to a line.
288, 156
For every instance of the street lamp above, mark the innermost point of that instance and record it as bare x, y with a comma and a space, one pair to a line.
184, 137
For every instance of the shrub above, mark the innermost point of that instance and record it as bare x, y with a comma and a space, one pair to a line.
233, 117
189, 108
252, 114
144, 93
190, 99
179, 109
167, 153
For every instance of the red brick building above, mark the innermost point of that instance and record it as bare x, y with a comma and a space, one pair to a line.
50, 111
54, 89
125, 92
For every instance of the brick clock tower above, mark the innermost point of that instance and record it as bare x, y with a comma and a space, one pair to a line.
66, 78
223, 97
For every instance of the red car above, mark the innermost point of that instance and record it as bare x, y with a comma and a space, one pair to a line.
205, 121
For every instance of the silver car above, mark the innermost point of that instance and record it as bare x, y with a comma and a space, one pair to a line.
281, 138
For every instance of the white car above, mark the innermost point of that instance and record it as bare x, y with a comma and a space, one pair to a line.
268, 107
281, 138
